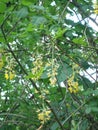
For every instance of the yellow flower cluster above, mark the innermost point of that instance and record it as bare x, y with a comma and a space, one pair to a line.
53, 73
9, 75
53, 80
96, 7
44, 116
9, 72
73, 86
37, 69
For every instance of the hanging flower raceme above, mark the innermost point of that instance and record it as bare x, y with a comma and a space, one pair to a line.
37, 70
9, 75
10, 72
73, 86
52, 72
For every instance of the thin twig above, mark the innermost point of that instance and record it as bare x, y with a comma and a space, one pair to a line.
63, 11
73, 113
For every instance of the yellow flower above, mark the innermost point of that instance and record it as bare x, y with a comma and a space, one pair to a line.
73, 86
96, 11
52, 72
44, 116
70, 89
71, 79
37, 70
52, 80
41, 116
9, 75
47, 112
6, 76
75, 91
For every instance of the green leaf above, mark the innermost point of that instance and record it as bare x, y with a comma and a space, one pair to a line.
83, 125
2, 40
38, 20
60, 33
80, 40
86, 83
27, 2
29, 28
22, 13
84, 63
69, 33
38, 7
91, 92
54, 126
88, 110
1, 18
94, 109
64, 72
44, 75
4, 1
69, 22
2, 7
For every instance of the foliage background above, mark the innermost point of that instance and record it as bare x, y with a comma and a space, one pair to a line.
40, 48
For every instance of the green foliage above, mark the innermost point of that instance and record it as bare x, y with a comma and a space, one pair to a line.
38, 20
2, 7
22, 13
43, 51
64, 72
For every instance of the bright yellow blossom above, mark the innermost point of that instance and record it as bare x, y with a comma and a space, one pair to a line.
70, 89
52, 71
9, 75
73, 86
53, 80
44, 116
6, 76
37, 70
